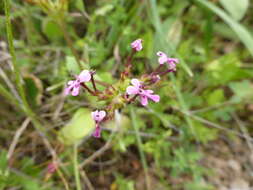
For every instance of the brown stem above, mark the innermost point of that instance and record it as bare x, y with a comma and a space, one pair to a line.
165, 72
130, 57
157, 70
88, 89
93, 83
102, 83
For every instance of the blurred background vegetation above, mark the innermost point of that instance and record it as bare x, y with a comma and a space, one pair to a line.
196, 138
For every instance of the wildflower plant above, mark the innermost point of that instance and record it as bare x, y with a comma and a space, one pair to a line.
127, 90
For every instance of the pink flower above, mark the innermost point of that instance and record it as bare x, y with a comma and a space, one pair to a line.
51, 167
74, 85
137, 45
137, 89
163, 58
98, 117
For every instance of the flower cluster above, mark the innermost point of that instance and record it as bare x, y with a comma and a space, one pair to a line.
126, 90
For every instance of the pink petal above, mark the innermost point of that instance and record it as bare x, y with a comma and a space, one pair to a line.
67, 90
93, 114
155, 98
172, 60
144, 100
160, 53
172, 66
98, 116
84, 76
149, 91
162, 57
71, 82
137, 45
132, 90
75, 91
162, 60
102, 115
136, 82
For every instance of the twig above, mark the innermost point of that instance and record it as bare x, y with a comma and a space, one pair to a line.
86, 179
59, 106
211, 107
16, 137
244, 131
215, 125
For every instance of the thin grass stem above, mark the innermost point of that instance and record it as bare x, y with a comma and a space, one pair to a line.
139, 143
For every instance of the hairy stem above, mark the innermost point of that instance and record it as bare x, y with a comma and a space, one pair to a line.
18, 78
93, 83
88, 89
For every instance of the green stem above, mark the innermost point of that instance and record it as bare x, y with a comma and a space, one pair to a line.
18, 78
139, 143
76, 167
6, 94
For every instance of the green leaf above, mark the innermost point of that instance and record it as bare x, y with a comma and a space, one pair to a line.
216, 97
72, 65
236, 8
3, 161
204, 133
225, 69
79, 5
104, 10
51, 29
242, 33
243, 90
175, 32
34, 89
80, 126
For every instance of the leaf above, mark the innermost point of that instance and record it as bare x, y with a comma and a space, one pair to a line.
34, 89
3, 161
204, 133
243, 90
104, 10
51, 29
236, 8
72, 65
80, 126
242, 33
216, 97
225, 69
174, 34
79, 5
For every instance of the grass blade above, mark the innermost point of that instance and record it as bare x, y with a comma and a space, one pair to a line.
242, 33
139, 143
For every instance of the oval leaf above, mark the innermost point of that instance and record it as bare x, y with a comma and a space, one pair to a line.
80, 126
